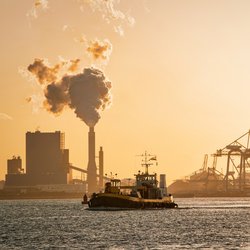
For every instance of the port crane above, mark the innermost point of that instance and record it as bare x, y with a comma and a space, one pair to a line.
239, 151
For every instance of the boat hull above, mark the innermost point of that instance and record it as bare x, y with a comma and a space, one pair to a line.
113, 202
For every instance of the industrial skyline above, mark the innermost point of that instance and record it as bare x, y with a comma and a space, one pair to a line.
47, 163
179, 72
152, 97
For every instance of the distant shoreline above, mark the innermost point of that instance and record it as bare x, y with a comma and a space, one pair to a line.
221, 195
62, 195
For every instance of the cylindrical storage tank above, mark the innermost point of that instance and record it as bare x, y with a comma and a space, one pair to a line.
163, 185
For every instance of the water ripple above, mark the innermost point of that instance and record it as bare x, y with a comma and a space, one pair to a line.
66, 224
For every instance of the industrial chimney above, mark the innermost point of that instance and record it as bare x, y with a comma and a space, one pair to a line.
101, 169
91, 169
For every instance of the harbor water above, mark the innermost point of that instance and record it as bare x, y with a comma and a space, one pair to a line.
198, 223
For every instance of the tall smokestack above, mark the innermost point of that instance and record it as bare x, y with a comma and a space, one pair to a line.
101, 168
92, 176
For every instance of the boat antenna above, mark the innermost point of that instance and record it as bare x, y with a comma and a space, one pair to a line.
146, 160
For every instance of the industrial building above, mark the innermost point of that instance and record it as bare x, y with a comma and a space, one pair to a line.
14, 165
47, 161
48, 168
15, 173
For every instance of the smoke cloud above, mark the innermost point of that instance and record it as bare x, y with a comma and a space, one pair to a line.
43, 73
119, 30
109, 13
38, 4
37, 102
107, 8
81, 40
86, 93
57, 97
89, 94
74, 64
100, 50
46, 74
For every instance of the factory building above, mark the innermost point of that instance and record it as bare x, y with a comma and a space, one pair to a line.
15, 172
14, 165
48, 167
47, 161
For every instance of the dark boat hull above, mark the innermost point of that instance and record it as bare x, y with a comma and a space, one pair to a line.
102, 201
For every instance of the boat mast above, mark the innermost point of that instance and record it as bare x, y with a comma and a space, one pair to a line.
146, 161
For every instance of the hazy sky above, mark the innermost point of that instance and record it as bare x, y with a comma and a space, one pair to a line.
180, 78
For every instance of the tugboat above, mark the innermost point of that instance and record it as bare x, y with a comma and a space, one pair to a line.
144, 195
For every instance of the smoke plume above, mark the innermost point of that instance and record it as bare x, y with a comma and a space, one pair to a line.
89, 93
86, 93
100, 50
43, 73
57, 97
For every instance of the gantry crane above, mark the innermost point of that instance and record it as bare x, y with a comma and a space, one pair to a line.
240, 150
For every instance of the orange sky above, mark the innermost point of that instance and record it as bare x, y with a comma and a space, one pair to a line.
180, 78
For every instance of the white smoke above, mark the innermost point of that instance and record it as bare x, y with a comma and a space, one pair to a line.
37, 102
119, 30
38, 4
82, 39
109, 13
